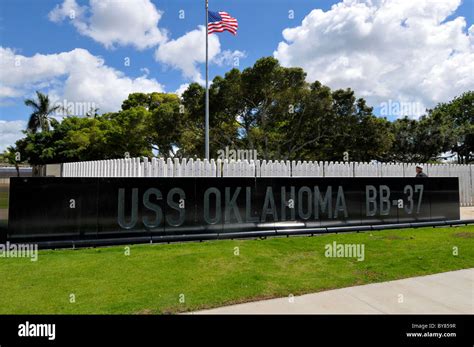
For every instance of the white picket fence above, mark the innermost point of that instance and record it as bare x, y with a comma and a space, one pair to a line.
156, 167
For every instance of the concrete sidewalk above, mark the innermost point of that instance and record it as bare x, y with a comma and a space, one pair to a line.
444, 293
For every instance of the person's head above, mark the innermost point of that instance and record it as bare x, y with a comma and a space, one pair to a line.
419, 169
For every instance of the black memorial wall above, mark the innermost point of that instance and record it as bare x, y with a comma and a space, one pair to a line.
128, 209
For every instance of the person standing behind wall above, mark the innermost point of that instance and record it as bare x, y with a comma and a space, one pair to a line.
419, 172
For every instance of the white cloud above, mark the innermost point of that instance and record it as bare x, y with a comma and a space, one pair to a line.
8, 92
10, 132
229, 58
135, 22
68, 9
189, 50
385, 49
76, 76
182, 88
113, 22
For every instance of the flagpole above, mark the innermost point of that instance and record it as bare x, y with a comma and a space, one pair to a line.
207, 85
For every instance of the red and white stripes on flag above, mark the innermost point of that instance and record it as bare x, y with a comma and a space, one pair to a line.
221, 21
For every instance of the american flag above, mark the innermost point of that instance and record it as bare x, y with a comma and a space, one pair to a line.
221, 21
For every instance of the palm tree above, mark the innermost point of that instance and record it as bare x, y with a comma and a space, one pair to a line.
42, 108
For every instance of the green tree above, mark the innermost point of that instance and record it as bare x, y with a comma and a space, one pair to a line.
304, 124
10, 156
164, 117
265, 107
77, 139
274, 110
455, 121
131, 132
422, 140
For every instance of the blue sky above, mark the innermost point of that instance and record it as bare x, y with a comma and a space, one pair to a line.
333, 45
260, 27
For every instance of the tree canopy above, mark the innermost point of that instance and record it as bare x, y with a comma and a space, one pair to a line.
266, 107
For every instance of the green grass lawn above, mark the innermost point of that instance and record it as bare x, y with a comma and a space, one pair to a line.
153, 278
3, 199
